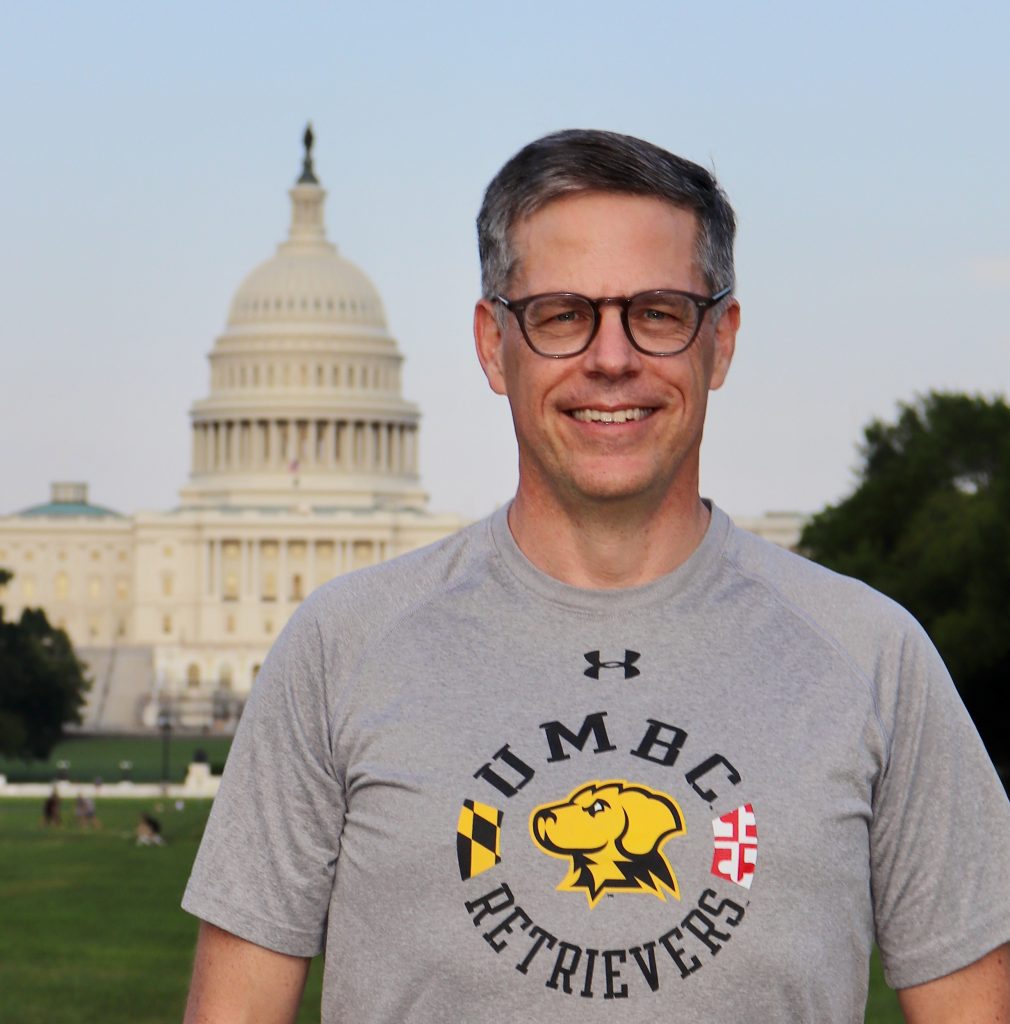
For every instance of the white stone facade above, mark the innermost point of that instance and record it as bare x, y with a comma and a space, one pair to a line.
304, 466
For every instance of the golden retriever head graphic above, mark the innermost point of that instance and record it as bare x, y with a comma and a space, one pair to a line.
612, 833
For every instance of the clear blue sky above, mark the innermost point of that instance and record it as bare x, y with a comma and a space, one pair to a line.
147, 149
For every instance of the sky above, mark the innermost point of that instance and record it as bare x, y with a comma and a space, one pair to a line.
147, 150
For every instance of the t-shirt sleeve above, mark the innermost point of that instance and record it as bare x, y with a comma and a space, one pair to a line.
265, 866
940, 839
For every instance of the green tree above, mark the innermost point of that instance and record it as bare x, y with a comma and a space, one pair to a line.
929, 525
42, 684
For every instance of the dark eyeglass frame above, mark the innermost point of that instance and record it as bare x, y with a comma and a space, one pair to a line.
702, 303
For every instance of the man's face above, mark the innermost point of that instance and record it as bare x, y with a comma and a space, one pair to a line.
605, 244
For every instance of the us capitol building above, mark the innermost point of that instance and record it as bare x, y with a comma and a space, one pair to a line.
304, 465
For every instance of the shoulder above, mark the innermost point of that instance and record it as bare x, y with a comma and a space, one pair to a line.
361, 606
853, 632
844, 611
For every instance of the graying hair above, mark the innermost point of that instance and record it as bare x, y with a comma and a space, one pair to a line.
593, 161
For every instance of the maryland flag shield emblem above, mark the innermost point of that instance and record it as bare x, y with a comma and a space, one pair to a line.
478, 838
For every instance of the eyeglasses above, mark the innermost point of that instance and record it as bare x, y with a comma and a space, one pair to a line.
559, 325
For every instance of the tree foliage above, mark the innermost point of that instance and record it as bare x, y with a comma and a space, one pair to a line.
929, 525
42, 684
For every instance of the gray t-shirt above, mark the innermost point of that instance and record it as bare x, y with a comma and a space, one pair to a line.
490, 796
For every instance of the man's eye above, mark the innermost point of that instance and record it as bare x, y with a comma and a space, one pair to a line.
553, 314
659, 315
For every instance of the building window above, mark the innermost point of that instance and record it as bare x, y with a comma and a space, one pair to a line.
94, 588
229, 624
224, 677
166, 551
192, 675
230, 586
167, 584
296, 587
62, 586
122, 590
28, 588
166, 624
270, 586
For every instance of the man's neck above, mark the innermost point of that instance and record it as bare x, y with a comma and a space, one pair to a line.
607, 545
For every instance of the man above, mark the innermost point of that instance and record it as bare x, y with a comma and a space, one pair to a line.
604, 756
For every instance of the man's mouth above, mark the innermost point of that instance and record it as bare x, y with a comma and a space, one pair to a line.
611, 415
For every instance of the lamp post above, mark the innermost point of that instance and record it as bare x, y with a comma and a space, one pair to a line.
165, 725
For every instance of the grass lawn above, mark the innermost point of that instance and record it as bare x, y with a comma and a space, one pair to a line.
92, 757
90, 924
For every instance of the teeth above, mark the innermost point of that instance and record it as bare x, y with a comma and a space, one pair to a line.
604, 416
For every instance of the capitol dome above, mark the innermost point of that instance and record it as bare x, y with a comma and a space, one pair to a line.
307, 281
307, 287
305, 404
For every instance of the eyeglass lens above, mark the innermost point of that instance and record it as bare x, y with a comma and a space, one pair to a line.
659, 322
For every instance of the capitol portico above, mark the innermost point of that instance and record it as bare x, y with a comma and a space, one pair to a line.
304, 466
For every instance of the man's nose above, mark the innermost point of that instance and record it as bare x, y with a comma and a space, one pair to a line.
611, 352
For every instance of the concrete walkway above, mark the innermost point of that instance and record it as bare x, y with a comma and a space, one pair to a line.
199, 784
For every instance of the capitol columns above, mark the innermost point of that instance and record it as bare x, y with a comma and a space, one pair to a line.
382, 429
195, 454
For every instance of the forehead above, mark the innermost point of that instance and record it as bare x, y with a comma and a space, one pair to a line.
608, 242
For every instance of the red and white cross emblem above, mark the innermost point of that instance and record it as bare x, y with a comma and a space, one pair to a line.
735, 842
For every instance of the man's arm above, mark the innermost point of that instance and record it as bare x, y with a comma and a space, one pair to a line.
238, 982
976, 994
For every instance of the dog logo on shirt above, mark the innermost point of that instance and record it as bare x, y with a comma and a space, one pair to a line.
612, 834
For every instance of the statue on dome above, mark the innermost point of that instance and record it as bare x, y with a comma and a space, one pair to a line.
308, 172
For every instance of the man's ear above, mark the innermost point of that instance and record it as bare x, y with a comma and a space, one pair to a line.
488, 337
724, 344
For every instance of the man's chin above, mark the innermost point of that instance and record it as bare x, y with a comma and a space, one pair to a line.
620, 488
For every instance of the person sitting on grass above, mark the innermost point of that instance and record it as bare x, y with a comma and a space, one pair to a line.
149, 831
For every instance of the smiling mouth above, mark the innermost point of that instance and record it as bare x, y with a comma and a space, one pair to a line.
610, 416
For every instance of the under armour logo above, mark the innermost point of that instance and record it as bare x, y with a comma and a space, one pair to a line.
630, 657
